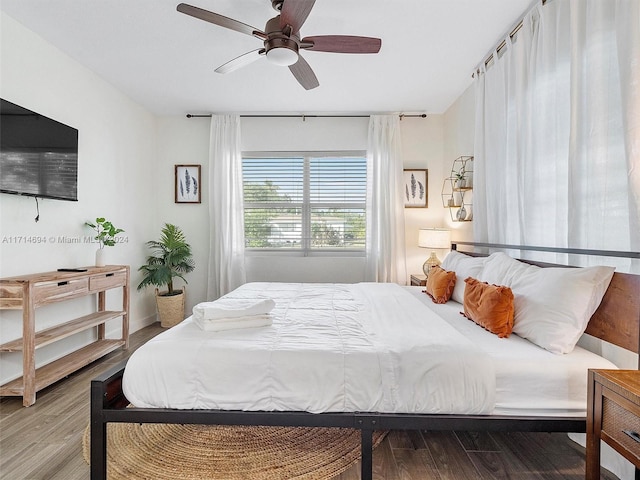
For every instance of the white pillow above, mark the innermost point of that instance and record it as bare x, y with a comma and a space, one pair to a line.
464, 266
552, 305
500, 269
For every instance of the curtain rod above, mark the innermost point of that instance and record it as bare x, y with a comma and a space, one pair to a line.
503, 43
303, 116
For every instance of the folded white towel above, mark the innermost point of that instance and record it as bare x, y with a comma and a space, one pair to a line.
218, 325
232, 308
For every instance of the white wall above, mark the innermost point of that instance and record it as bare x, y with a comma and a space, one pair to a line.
116, 179
422, 148
183, 141
458, 138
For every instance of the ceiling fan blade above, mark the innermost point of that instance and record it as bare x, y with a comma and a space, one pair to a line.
303, 73
241, 61
294, 13
220, 20
342, 44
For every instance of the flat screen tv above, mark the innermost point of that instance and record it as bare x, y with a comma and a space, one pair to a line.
38, 155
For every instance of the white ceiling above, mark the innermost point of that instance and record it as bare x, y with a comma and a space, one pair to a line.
165, 60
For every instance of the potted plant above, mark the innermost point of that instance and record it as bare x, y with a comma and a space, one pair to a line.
458, 186
105, 235
170, 257
461, 181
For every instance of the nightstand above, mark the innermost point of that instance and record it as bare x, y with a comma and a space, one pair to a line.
613, 415
418, 280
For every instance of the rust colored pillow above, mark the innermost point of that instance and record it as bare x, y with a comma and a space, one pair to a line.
440, 284
490, 306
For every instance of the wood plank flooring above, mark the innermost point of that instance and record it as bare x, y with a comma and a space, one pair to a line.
44, 441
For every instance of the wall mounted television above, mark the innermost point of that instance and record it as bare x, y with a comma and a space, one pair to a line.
38, 155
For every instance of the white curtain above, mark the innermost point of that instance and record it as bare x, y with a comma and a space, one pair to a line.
226, 258
557, 153
385, 248
557, 146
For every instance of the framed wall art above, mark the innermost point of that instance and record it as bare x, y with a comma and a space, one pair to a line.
187, 184
415, 190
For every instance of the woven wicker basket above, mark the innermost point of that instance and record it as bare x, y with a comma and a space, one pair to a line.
170, 308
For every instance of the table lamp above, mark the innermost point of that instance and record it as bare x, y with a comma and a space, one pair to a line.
433, 238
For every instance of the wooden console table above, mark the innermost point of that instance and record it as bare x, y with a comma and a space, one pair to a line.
29, 292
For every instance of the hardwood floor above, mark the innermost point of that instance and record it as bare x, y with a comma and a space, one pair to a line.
44, 441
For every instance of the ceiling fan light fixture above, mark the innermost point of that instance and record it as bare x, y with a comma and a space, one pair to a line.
282, 56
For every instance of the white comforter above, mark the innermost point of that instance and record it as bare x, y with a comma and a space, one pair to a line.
331, 348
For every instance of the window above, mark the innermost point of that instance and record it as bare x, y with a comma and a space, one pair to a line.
307, 202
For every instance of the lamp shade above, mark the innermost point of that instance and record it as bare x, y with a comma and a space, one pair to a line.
434, 238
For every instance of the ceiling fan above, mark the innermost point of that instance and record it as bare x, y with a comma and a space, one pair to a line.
282, 42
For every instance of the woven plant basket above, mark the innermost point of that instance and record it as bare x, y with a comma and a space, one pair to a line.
170, 308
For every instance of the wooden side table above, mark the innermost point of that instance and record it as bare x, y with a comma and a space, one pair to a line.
418, 280
613, 415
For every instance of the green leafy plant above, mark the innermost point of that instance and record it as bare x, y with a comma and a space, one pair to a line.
461, 180
106, 231
170, 257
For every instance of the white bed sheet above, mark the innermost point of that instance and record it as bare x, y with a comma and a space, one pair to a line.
529, 380
331, 348
362, 347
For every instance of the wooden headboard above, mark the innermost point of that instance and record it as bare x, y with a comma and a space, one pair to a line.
617, 319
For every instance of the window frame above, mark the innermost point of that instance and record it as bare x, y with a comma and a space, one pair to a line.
305, 250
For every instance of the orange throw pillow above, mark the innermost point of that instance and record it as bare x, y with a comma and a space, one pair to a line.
490, 306
440, 284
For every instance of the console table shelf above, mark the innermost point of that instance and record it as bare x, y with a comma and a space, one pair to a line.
54, 371
53, 334
30, 292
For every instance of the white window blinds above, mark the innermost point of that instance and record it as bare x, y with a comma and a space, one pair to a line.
305, 201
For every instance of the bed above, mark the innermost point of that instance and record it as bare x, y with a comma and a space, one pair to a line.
375, 377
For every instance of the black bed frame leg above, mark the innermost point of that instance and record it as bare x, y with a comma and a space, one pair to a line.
366, 451
98, 446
